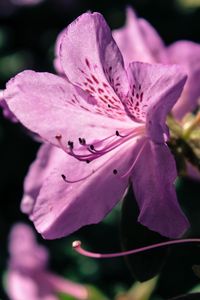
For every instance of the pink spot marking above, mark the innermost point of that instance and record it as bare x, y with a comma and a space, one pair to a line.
87, 63
89, 80
92, 88
105, 85
95, 79
100, 90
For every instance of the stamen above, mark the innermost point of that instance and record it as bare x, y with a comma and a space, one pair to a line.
70, 144
122, 136
77, 247
115, 172
82, 141
77, 180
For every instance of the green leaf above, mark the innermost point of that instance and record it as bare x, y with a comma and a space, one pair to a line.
139, 291
95, 294
146, 265
65, 297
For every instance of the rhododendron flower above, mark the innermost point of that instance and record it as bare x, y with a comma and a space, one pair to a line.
138, 41
27, 275
108, 126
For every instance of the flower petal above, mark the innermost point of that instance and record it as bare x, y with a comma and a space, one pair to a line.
7, 112
57, 63
153, 184
22, 243
62, 207
137, 40
187, 54
154, 89
92, 60
50, 106
46, 159
22, 287
153, 42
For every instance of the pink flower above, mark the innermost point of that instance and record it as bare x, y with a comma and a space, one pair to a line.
27, 275
138, 41
105, 129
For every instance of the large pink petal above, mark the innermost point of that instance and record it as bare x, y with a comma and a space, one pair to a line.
62, 207
136, 40
187, 54
92, 60
153, 182
154, 89
50, 106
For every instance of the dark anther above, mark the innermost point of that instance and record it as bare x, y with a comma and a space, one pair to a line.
82, 141
109, 106
63, 177
117, 133
92, 147
70, 144
114, 171
58, 137
87, 161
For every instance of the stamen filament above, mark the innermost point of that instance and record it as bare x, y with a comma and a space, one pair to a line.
77, 247
135, 161
77, 180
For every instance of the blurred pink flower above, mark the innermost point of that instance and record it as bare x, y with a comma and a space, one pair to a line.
27, 276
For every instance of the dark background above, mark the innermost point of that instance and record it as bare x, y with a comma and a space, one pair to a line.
27, 37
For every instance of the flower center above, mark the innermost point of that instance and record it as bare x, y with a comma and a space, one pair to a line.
87, 152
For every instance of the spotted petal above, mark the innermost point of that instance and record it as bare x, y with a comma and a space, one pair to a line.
154, 89
91, 59
52, 107
153, 183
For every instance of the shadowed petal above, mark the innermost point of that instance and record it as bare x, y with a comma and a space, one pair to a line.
154, 89
62, 207
92, 60
50, 106
188, 55
57, 63
153, 183
46, 159
7, 112
137, 40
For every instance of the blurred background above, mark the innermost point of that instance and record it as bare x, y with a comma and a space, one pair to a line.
27, 38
